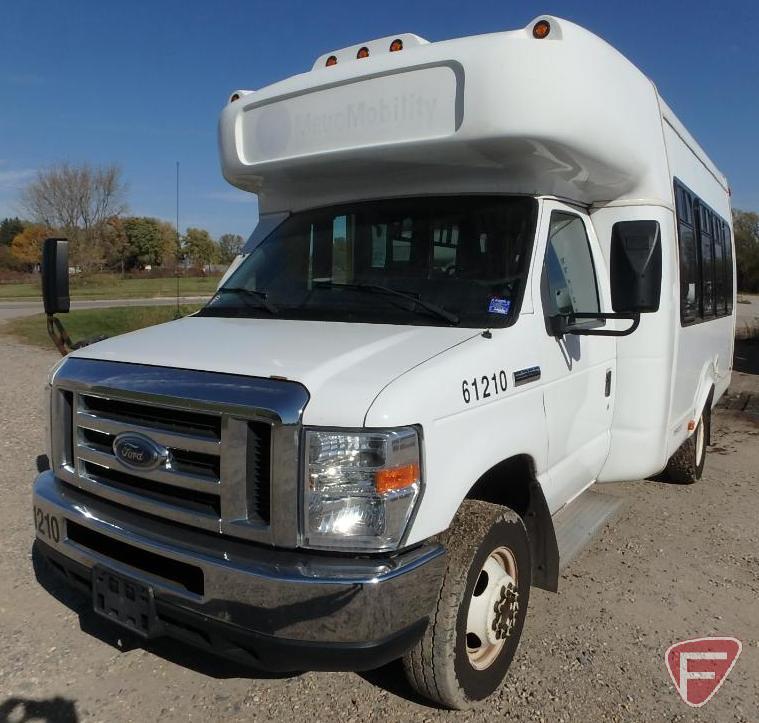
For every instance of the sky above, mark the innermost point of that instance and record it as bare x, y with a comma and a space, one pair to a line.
141, 83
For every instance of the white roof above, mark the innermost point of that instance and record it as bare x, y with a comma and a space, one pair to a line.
567, 116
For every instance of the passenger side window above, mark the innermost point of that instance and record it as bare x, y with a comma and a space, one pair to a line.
690, 286
569, 276
690, 273
706, 263
728, 271
719, 269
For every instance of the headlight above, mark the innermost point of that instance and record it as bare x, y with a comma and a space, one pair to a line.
360, 488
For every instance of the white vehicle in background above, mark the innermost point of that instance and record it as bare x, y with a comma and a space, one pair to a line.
490, 274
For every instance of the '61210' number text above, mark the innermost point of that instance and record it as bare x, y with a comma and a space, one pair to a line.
483, 387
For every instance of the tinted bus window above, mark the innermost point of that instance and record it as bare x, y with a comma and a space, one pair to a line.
706, 259
728, 271
684, 205
707, 262
719, 270
690, 286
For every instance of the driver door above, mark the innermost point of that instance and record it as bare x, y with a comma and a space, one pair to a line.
577, 371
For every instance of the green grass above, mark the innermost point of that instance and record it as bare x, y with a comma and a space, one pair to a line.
107, 286
86, 323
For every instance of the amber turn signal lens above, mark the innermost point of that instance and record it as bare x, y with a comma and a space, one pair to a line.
541, 29
397, 44
234, 97
363, 52
396, 478
332, 60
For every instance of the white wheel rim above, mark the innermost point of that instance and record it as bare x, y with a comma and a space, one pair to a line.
493, 608
699, 441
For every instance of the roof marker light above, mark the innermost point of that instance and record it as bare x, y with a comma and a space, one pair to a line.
363, 52
234, 97
332, 60
541, 29
397, 44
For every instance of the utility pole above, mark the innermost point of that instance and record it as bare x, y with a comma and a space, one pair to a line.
178, 254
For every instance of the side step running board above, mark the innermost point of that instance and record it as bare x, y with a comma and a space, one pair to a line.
581, 520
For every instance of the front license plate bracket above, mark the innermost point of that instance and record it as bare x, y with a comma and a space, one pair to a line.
126, 602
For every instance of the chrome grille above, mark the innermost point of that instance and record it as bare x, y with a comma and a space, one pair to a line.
220, 434
187, 488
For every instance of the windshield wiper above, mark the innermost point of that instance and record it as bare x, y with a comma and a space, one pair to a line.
438, 311
248, 294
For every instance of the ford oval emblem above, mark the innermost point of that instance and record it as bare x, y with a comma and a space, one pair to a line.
139, 452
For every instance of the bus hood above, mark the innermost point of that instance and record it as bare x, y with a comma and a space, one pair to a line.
343, 366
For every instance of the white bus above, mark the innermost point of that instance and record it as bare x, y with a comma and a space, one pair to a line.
490, 273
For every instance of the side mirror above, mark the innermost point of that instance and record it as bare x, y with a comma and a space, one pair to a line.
635, 267
55, 276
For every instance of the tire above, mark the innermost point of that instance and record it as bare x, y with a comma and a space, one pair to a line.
686, 465
448, 665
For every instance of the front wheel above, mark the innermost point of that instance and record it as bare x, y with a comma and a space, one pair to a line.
475, 629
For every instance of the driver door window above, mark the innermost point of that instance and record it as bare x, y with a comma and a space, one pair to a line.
569, 277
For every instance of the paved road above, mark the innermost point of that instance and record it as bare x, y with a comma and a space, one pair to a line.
13, 309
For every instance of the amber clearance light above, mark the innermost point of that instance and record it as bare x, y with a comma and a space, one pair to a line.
363, 52
332, 60
396, 45
541, 29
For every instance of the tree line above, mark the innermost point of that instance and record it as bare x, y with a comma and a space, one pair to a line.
87, 205
746, 235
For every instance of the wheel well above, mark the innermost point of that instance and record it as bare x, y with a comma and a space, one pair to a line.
513, 484
492, 486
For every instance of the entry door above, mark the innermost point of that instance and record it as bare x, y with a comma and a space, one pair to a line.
577, 371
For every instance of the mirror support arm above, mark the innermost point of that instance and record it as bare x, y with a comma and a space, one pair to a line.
62, 340
562, 324
59, 335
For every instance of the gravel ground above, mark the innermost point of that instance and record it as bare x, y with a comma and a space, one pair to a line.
679, 562
747, 310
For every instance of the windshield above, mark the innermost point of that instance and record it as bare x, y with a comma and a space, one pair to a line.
454, 260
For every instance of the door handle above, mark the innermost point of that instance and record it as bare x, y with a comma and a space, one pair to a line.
607, 388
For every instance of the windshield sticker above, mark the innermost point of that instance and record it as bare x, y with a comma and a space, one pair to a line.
499, 306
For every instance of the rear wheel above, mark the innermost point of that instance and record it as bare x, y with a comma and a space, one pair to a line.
474, 632
686, 465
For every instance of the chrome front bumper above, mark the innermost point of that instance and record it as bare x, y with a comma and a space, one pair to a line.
301, 600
